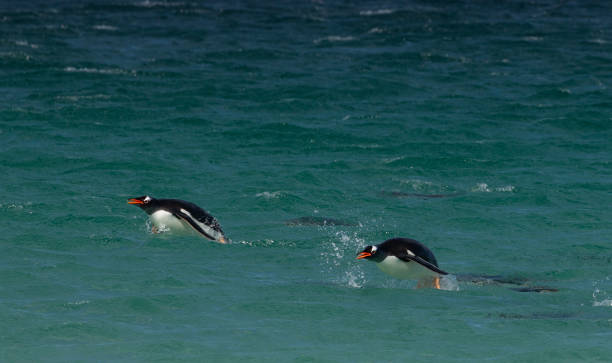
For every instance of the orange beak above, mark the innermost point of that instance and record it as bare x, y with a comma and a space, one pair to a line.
363, 255
135, 201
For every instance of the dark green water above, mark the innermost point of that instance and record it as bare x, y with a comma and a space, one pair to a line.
263, 113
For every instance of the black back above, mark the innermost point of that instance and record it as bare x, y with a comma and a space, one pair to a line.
174, 206
398, 246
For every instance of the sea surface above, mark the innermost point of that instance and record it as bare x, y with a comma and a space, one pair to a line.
309, 129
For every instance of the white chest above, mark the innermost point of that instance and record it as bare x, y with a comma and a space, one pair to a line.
163, 219
405, 270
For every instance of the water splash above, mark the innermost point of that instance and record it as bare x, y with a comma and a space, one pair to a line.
600, 296
157, 230
338, 259
484, 187
269, 195
78, 303
418, 184
449, 283
17, 207
267, 242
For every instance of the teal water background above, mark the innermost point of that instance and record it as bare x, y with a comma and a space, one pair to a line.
264, 112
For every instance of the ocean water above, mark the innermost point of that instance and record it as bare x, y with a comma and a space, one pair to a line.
482, 130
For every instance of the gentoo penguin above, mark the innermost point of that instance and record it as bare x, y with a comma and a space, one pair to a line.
178, 214
407, 259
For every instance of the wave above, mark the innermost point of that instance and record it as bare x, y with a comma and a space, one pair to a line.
15, 56
84, 97
17, 207
105, 27
97, 70
269, 195
376, 12
484, 187
598, 41
160, 4
23, 43
532, 39
78, 303
334, 39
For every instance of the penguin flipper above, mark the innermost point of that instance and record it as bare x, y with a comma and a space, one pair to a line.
412, 257
189, 220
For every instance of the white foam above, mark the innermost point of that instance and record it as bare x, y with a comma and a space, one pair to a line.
532, 39
79, 302
484, 187
55, 26
23, 43
376, 12
265, 243
334, 39
449, 283
606, 302
417, 184
599, 41
163, 4
269, 195
105, 27
481, 187
13, 55
21, 208
600, 297
96, 70
366, 146
391, 160
376, 31
84, 97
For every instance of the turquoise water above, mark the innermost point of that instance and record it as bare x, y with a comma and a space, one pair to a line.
264, 113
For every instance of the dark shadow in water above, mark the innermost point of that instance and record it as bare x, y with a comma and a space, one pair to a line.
535, 289
521, 284
318, 221
395, 194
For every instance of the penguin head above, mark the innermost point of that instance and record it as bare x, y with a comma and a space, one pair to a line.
371, 253
145, 202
